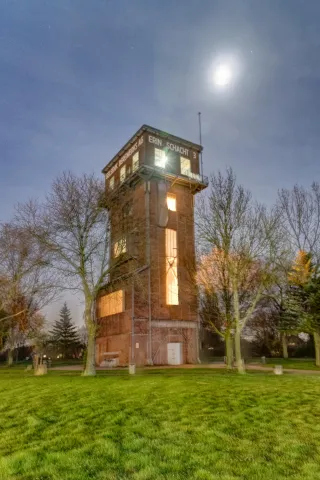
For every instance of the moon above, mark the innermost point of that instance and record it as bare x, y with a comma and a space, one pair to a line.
222, 75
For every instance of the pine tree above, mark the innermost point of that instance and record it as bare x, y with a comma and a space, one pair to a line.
296, 300
302, 312
64, 333
312, 322
292, 315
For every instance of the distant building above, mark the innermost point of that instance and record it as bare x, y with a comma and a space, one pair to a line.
148, 311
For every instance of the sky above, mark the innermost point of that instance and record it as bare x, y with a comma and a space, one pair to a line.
79, 77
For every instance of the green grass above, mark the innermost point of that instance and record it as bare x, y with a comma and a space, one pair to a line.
195, 424
295, 363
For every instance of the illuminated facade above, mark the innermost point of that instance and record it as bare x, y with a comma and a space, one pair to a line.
148, 309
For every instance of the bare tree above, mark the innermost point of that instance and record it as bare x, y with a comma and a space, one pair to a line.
216, 298
72, 225
300, 212
247, 239
24, 285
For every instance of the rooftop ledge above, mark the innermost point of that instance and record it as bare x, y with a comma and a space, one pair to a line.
147, 172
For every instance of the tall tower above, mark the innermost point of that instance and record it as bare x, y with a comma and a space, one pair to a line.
148, 312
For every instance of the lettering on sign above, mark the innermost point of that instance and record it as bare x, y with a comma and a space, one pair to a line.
124, 157
171, 146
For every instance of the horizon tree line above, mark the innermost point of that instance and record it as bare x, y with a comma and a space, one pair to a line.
250, 259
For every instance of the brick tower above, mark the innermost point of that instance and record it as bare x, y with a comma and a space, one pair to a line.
148, 312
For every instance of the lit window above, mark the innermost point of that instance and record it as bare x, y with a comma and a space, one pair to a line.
111, 304
111, 183
172, 291
122, 173
185, 166
135, 162
120, 247
171, 202
160, 158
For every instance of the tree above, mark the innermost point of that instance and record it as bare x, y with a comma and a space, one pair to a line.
301, 270
216, 298
302, 312
247, 238
262, 328
300, 212
312, 322
72, 225
25, 322
24, 285
83, 336
288, 323
64, 333
39, 342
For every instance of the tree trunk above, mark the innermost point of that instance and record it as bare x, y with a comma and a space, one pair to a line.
229, 350
90, 367
316, 338
10, 357
237, 341
284, 346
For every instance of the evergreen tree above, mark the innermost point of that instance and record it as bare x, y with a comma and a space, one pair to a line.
312, 318
64, 334
302, 312
292, 314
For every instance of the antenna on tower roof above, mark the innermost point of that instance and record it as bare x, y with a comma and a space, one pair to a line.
200, 142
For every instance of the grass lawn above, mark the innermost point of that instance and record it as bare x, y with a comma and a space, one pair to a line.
195, 424
295, 363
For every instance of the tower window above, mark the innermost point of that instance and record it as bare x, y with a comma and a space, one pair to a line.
185, 166
135, 162
171, 202
160, 158
120, 247
111, 304
172, 290
111, 183
122, 173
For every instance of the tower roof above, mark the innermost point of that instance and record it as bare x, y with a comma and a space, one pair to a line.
147, 128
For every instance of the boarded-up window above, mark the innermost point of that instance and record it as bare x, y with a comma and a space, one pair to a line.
111, 304
171, 202
172, 290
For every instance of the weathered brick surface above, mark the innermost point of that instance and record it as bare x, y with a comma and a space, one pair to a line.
129, 218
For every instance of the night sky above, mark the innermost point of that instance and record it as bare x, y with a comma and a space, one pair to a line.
79, 77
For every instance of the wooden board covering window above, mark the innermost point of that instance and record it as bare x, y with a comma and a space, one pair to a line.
111, 303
